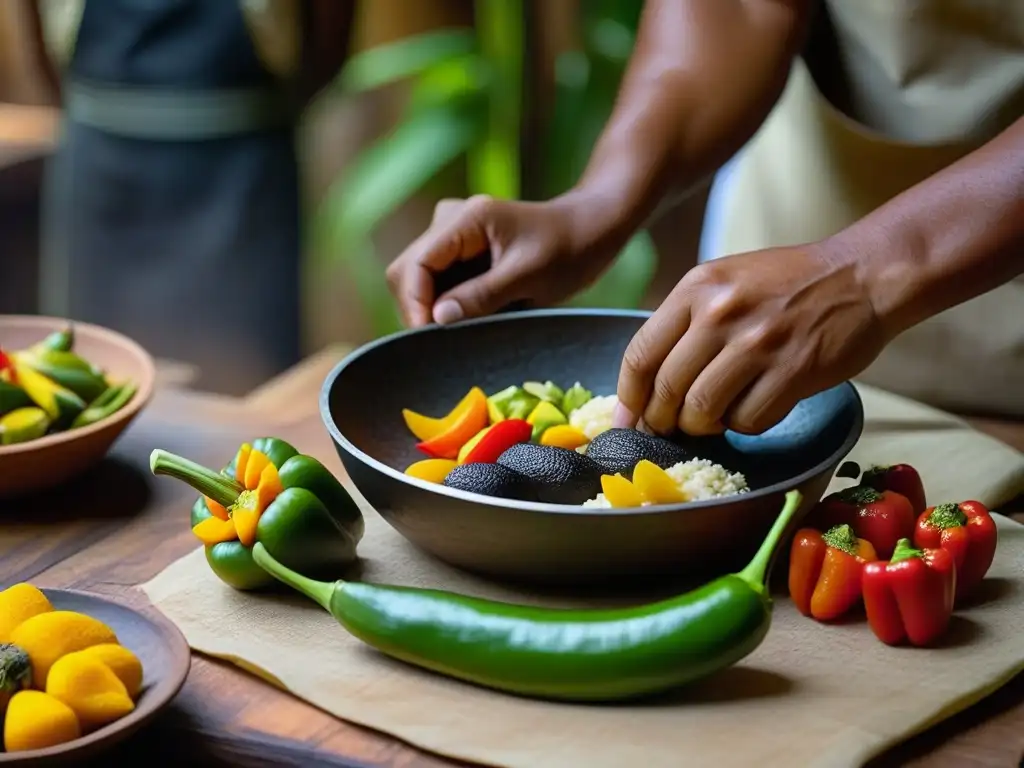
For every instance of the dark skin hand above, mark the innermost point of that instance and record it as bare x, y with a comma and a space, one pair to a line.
742, 339
702, 78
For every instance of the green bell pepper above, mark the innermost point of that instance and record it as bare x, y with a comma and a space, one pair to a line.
272, 494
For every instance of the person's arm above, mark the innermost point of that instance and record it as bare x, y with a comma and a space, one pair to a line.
39, 57
954, 236
702, 78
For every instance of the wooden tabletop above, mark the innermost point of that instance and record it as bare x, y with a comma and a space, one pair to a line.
114, 530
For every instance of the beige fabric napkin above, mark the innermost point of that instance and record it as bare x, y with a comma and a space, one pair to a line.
810, 695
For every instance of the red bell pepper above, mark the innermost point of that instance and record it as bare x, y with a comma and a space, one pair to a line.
471, 419
899, 478
968, 532
881, 517
498, 439
5, 362
910, 597
825, 571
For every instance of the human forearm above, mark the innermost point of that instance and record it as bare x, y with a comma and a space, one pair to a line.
38, 56
703, 76
945, 241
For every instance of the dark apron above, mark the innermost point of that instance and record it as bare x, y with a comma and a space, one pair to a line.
189, 244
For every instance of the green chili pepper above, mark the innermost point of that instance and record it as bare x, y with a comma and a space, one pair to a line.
310, 523
66, 369
62, 341
593, 655
112, 400
12, 397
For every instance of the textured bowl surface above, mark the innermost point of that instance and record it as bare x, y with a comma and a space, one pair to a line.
55, 459
429, 370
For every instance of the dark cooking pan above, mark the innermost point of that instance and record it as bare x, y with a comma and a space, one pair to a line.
429, 370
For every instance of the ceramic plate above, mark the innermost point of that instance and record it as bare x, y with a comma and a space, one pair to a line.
165, 658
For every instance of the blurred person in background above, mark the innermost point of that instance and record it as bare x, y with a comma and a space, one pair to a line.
872, 225
172, 204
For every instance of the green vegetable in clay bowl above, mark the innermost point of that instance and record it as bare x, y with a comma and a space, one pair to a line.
572, 655
47, 388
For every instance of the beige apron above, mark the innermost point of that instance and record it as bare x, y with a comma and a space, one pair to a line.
927, 82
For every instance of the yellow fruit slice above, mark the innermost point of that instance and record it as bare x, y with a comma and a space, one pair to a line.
564, 436
36, 720
18, 603
431, 470
95, 694
655, 485
620, 492
122, 662
48, 636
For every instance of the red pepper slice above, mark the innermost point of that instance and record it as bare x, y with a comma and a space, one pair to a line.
899, 478
5, 363
881, 517
825, 571
968, 532
911, 597
499, 438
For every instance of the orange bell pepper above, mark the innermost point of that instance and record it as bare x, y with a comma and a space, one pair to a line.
426, 428
825, 571
471, 420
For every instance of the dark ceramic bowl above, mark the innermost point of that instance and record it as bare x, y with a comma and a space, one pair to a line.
430, 369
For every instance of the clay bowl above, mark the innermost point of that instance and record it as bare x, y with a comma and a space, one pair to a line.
430, 369
57, 458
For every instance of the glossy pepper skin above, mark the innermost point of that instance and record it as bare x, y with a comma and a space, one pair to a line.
899, 478
881, 517
595, 655
968, 532
910, 598
825, 571
297, 508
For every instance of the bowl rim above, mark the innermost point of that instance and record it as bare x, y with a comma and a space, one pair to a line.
559, 509
126, 413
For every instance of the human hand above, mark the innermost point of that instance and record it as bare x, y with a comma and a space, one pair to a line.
742, 339
540, 254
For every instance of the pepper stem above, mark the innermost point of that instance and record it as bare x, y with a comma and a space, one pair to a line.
905, 551
756, 572
947, 516
218, 487
320, 592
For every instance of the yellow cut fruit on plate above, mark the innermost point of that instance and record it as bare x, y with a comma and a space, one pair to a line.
564, 436
620, 492
471, 444
655, 485
431, 470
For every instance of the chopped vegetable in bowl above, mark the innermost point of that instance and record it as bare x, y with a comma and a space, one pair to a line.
539, 442
48, 388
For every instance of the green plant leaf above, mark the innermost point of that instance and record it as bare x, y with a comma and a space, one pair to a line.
404, 58
390, 171
625, 283
455, 78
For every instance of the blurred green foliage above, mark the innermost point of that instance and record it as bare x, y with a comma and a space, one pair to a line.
466, 103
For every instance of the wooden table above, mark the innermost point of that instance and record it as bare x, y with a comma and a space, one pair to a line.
115, 529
